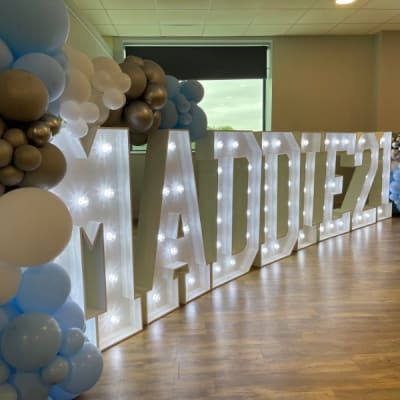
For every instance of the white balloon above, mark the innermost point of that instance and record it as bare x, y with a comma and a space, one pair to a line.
90, 112
80, 61
70, 110
78, 87
35, 227
78, 128
101, 80
123, 82
106, 64
114, 99
10, 278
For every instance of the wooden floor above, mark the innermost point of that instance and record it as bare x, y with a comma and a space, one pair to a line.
323, 324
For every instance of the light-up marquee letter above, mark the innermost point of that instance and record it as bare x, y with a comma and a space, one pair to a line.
170, 266
99, 257
330, 225
273, 145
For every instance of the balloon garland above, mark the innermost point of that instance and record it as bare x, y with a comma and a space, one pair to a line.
395, 174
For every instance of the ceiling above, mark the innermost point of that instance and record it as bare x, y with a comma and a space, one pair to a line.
236, 18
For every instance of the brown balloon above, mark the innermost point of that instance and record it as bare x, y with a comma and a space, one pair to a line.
27, 157
50, 172
2, 189
154, 72
138, 79
39, 133
115, 118
53, 122
156, 122
135, 60
138, 116
10, 176
16, 137
24, 97
6, 153
138, 139
155, 96
3, 127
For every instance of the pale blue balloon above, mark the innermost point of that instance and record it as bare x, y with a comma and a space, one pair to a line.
192, 90
56, 371
58, 393
8, 312
8, 392
47, 69
30, 341
6, 57
169, 115
185, 119
29, 386
73, 340
70, 315
85, 369
182, 103
3, 319
395, 187
44, 288
198, 126
396, 174
172, 85
61, 58
34, 26
4, 372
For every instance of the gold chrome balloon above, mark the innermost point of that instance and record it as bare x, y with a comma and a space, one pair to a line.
39, 133
53, 122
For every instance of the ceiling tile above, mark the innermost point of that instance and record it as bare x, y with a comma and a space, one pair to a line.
138, 30
353, 29
234, 4
181, 17
97, 17
260, 30
89, 4
181, 30
332, 4
129, 4
278, 17
107, 30
325, 16
310, 29
371, 16
126, 17
395, 20
231, 17
287, 4
382, 4
224, 30
183, 4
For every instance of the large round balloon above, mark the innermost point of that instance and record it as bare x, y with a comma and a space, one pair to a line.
60, 394
56, 371
51, 170
73, 340
45, 68
31, 341
34, 26
8, 392
85, 369
154, 72
138, 116
44, 288
70, 315
172, 85
30, 386
6, 57
35, 227
24, 97
138, 79
27, 157
78, 87
169, 116
198, 126
192, 90
10, 278
155, 96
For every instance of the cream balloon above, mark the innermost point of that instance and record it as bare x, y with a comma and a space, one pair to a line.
36, 226
78, 87
10, 278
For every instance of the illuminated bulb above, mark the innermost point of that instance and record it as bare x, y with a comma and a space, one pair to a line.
380, 211
264, 250
219, 170
173, 251
340, 223
265, 188
302, 236
327, 141
232, 262
265, 143
160, 237
337, 141
156, 297
289, 203
277, 246
235, 144
83, 201
265, 230
289, 223
171, 146
361, 141
266, 209
346, 141
186, 229
166, 191
248, 191
290, 183
217, 268
191, 281
290, 163
250, 167
220, 144
248, 213
305, 142
108, 193
359, 218
321, 228
277, 143
112, 278
305, 190
115, 320
179, 189
111, 236
382, 141
332, 185
219, 245
304, 213
219, 220
266, 166
247, 235
106, 148
331, 225
219, 195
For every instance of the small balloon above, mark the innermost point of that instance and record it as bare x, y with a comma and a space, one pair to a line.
70, 110
106, 64
155, 96
10, 175
30, 386
169, 116
39, 133
172, 85
101, 80
123, 82
139, 116
53, 122
90, 112
73, 339
27, 157
70, 315
113, 99
78, 86
137, 77
56, 371
16, 137
192, 90
6, 153
135, 60
138, 139
78, 128
154, 72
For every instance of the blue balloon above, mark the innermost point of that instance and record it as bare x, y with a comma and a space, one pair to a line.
29, 386
4, 371
56, 371
395, 187
30, 341
192, 90
6, 57
70, 315
60, 394
85, 369
34, 26
8, 312
172, 85
169, 116
8, 392
47, 69
198, 127
44, 288
62, 59
73, 340
182, 103
185, 119
396, 174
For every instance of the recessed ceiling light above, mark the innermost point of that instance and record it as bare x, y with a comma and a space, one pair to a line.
342, 2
